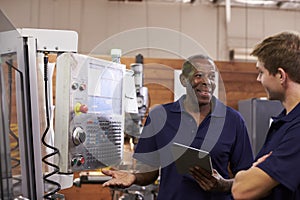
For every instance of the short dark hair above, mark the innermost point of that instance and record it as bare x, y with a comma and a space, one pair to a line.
280, 50
189, 65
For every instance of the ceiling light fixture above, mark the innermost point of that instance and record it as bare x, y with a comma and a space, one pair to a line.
257, 2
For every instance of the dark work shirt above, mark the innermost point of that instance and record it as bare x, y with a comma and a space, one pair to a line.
170, 123
283, 139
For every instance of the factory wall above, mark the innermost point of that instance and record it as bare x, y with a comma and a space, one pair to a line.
202, 23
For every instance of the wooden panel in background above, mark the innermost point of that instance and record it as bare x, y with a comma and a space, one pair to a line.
237, 82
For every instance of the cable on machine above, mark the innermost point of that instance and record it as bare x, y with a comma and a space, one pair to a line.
52, 194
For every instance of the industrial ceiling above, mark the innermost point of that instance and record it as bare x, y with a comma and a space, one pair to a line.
268, 4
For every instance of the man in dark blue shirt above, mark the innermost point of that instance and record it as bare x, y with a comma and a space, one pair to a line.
198, 120
275, 173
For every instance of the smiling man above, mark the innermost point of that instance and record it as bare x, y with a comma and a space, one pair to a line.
275, 174
199, 120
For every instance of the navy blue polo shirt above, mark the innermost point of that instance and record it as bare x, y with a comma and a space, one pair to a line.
283, 139
169, 123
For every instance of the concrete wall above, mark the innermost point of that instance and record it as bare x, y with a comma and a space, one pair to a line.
154, 29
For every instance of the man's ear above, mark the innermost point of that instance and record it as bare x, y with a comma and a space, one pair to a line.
282, 75
183, 80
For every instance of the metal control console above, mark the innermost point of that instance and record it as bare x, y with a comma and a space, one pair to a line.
89, 112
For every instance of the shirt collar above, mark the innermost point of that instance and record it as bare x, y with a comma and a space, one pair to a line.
290, 116
219, 109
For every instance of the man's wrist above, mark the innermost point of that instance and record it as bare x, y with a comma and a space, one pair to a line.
135, 175
225, 185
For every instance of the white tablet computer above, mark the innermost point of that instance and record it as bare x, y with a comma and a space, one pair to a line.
187, 157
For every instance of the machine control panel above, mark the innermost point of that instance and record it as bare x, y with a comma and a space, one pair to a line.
89, 117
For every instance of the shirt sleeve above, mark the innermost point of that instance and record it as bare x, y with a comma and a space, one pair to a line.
283, 164
147, 150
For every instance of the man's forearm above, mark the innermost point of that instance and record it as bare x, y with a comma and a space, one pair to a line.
145, 178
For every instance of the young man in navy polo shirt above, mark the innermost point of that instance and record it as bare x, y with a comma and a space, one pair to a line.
198, 120
275, 175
